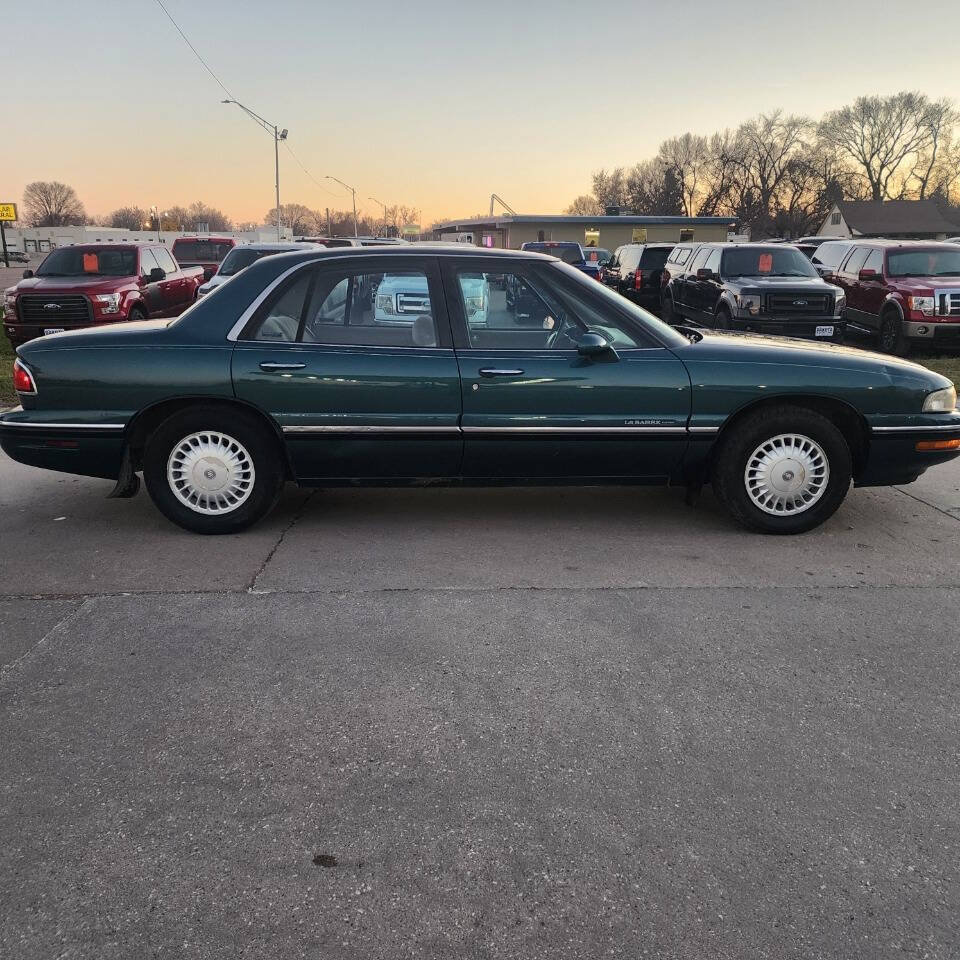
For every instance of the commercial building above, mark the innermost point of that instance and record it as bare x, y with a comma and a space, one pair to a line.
36, 240
892, 219
511, 231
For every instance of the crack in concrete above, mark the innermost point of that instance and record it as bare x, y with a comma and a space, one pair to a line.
927, 503
294, 520
73, 614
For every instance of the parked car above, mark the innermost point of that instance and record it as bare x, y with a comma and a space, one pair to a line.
568, 251
206, 252
635, 271
92, 284
906, 292
601, 257
17, 256
764, 288
241, 257
676, 263
828, 257
265, 383
402, 297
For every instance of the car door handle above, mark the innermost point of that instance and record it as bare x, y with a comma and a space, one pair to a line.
500, 372
267, 365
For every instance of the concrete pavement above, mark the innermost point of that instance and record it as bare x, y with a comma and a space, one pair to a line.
504, 723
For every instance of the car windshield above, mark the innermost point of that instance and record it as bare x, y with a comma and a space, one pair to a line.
596, 254
924, 263
89, 262
568, 253
765, 262
664, 332
241, 257
200, 251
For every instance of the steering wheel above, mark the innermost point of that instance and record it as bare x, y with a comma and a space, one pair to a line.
554, 342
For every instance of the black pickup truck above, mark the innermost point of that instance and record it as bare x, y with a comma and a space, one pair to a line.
765, 288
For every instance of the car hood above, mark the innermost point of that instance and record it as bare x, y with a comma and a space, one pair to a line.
757, 348
919, 284
776, 283
72, 284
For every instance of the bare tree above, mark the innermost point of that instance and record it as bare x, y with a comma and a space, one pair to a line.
585, 206
610, 189
199, 212
688, 156
928, 168
52, 204
881, 136
133, 218
297, 216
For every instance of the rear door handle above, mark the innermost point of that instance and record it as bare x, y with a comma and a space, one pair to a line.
500, 372
267, 365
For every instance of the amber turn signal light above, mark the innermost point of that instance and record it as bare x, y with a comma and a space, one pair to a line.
938, 445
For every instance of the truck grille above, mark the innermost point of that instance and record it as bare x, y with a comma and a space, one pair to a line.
54, 311
791, 304
947, 303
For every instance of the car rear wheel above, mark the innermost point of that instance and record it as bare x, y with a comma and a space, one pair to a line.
892, 339
782, 470
213, 471
722, 319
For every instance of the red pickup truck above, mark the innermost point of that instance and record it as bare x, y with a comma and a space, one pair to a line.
93, 284
908, 293
206, 252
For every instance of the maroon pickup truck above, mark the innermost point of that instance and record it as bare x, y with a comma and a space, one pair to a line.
906, 292
93, 284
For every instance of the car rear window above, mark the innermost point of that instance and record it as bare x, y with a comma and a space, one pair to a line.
568, 253
654, 257
200, 251
830, 254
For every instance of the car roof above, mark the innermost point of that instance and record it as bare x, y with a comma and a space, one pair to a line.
419, 250
208, 237
274, 245
909, 244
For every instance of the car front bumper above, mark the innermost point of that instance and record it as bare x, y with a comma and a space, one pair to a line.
801, 327
933, 330
893, 457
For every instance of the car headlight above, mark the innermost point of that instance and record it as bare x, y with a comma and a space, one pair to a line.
109, 302
839, 304
941, 401
922, 305
748, 302
10, 304
385, 303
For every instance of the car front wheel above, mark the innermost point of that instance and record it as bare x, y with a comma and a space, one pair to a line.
782, 470
212, 471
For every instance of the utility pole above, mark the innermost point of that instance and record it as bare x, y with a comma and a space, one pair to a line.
278, 135
329, 228
353, 191
382, 204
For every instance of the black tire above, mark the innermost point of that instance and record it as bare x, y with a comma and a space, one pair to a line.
721, 320
738, 447
137, 313
892, 339
667, 313
257, 444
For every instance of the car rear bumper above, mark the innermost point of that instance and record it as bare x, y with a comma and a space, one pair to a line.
89, 449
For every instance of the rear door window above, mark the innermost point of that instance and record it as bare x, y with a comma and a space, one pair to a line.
855, 261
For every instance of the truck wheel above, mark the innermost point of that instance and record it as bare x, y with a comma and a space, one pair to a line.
892, 339
782, 470
213, 471
137, 313
722, 319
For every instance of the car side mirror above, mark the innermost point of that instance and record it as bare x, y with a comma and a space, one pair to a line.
868, 274
593, 344
27, 274
156, 275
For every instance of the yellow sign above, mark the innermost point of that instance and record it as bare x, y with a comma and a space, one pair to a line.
639, 235
8, 211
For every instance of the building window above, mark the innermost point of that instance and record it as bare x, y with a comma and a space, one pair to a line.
591, 237
835, 218
686, 236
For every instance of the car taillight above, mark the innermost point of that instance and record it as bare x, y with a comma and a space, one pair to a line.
22, 378
638, 279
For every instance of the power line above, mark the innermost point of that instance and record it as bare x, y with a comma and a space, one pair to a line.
223, 87
196, 53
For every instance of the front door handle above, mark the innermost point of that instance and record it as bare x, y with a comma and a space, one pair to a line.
500, 372
267, 365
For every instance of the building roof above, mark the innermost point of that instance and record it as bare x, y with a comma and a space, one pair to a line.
588, 221
894, 216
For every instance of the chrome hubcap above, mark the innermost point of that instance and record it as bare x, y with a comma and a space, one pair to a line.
210, 472
787, 474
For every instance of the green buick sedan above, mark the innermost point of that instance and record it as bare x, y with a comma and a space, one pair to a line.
409, 365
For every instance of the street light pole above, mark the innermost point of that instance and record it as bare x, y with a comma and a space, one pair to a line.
353, 191
382, 204
278, 135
